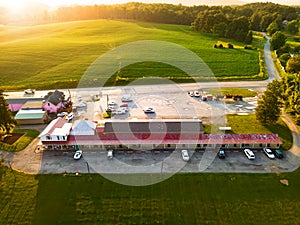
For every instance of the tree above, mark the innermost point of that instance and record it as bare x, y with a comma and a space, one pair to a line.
249, 37
220, 29
293, 27
7, 122
291, 94
293, 64
268, 109
238, 28
278, 40
284, 58
272, 28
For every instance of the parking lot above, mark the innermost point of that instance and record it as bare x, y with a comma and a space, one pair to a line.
163, 162
166, 106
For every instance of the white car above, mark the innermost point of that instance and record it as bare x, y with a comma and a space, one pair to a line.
70, 116
78, 154
185, 155
29, 91
110, 154
119, 111
62, 114
196, 94
269, 153
126, 98
250, 155
147, 109
191, 93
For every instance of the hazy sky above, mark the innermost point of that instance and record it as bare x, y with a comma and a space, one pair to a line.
17, 4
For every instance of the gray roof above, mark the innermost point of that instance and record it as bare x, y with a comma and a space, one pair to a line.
154, 127
55, 97
22, 100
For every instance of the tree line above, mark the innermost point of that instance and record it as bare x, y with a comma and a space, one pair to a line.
237, 22
221, 20
285, 94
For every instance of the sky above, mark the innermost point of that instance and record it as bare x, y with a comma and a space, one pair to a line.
17, 5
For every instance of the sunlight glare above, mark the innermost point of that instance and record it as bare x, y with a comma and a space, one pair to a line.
15, 6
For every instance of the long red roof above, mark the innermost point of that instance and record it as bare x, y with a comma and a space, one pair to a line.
173, 138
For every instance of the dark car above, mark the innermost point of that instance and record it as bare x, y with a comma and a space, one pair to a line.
278, 153
221, 154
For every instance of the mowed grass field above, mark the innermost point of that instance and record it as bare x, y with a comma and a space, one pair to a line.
203, 198
57, 55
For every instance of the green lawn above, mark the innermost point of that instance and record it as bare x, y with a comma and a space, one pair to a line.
248, 124
56, 55
183, 199
22, 142
233, 91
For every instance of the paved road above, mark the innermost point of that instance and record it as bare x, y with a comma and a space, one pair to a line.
273, 74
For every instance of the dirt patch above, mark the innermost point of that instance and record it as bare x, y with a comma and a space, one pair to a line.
13, 138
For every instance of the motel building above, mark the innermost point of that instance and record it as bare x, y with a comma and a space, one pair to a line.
145, 135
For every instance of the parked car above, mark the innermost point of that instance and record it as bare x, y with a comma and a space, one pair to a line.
119, 111
70, 116
147, 109
110, 154
185, 155
221, 154
124, 105
250, 155
126, 98
29, 91
278, 153
196, 94
78, 154
191, 93
269, 153
62, 114
112, 105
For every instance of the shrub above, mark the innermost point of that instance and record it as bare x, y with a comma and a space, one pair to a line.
230, 46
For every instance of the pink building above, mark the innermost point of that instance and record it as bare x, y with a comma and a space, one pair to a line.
53, 101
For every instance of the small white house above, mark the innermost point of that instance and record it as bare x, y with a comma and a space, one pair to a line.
58, 130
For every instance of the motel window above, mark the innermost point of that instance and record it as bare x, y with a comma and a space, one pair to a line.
48, 104
64, 138
57, 137
234, 145
169, 145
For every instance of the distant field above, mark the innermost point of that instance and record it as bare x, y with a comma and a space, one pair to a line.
57, 55
183, 199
